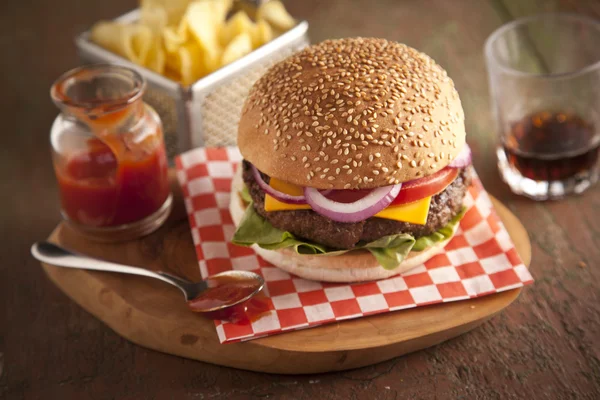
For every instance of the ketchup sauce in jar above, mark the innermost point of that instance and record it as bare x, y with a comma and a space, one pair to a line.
108, 154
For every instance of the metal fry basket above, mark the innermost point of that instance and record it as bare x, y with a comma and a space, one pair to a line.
207, 112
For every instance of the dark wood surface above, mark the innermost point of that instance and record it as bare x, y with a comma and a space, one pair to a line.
546, 345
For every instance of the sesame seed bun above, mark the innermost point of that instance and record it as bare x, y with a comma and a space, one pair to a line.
351, 114
354, 266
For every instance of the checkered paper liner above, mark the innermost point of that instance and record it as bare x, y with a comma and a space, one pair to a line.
481, 259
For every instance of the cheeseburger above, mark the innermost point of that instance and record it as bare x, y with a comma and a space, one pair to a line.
355, 162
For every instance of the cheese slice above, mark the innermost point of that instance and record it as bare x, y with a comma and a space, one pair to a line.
415, 212
272, 204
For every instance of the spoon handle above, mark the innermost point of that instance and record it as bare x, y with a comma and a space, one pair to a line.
55, 255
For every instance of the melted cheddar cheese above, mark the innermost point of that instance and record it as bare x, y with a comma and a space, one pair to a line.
415, 212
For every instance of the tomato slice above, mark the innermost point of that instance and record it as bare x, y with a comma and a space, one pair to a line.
424, 187
411, 191
347, 195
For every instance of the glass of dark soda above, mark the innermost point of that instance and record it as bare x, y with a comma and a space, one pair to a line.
544, 76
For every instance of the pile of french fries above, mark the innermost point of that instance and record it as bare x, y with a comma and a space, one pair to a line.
185, 40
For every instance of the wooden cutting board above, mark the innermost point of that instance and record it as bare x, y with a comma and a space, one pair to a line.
154, 315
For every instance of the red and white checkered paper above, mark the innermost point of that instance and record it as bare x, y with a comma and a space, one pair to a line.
481, 259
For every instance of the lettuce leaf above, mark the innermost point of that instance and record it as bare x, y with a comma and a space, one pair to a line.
441, 234
245, 194
389, 251
255, 229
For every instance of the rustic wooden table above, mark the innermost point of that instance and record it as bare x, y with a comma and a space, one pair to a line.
546, 345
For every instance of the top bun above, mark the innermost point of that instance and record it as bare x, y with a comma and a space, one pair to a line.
352, 114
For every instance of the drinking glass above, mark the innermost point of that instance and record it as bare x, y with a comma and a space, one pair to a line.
544, 77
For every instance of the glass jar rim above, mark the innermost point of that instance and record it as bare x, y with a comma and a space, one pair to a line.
490, 55
59, 95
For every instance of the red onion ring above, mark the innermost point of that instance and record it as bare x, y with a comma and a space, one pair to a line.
463, 159
283, 197
360, 210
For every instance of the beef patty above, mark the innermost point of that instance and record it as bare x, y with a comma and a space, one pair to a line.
316, 228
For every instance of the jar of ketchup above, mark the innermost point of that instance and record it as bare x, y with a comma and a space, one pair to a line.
108, 153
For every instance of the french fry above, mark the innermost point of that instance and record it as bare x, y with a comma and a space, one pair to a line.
204, 19
173, 65
237, 48
212, 60
155, 18
275, 14
156, 59
174, 9
183, 29
263, 33
130, 41
172, 40
236, 25
143, 41
191, 64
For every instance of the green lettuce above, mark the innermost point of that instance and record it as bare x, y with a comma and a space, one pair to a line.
441, 234
245, 194
389, 251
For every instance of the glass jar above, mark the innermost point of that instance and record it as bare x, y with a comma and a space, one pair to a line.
108, 154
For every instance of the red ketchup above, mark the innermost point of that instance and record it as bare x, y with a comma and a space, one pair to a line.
98, 190
229, 290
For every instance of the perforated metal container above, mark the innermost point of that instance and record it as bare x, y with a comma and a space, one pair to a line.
207, 112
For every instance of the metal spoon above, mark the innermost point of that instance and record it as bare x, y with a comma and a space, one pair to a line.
59, 256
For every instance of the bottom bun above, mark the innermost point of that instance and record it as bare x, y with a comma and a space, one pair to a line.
354, 266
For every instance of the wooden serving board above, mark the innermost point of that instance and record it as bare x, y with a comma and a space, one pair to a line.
154, 315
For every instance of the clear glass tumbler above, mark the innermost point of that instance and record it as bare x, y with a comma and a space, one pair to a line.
544, 76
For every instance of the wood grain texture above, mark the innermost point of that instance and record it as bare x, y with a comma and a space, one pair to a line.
154, 315
545, 345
